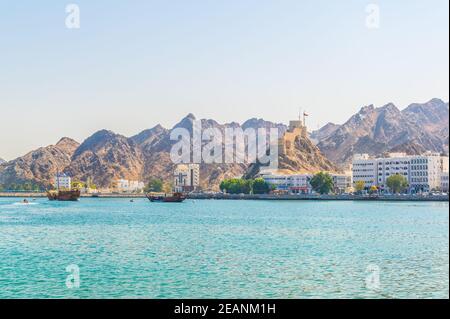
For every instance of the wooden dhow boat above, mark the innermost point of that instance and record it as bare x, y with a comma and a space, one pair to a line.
167, 198
64, 196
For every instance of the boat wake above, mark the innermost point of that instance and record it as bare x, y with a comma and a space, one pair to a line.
24, 204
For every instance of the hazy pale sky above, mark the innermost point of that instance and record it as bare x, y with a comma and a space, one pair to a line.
134, 64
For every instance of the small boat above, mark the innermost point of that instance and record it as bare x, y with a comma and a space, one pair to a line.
165, 198
64, 196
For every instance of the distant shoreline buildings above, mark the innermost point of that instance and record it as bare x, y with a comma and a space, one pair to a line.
126, 186
186, 178
424, 173
300, 183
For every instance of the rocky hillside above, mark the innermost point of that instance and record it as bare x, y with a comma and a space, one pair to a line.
431, 117
39, 166
376, 131
106, 157
305, 157
323, 133
156, 145
2, 161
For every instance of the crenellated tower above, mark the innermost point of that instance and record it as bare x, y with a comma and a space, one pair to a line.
296, 129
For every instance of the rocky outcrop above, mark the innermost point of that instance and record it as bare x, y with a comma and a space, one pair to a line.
431, 117
303, 157
323, 133
106, 157
39, 166
379, 130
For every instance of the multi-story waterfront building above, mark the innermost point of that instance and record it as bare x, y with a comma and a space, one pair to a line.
342, 183
300, 183
444, 182
423, 172
364, 169
62, 181
186, 177
395, 164
426, 171
126, 186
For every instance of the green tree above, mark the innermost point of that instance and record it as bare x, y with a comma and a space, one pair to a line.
322, 183
397, 183
236, 186
154, 185
260, 186
246, 186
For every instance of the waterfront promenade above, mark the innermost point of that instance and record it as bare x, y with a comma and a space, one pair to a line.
438, 198
219, 196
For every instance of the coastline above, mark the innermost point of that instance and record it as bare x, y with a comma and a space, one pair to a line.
390, 198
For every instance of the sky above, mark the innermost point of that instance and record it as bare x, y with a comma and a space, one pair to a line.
134, 64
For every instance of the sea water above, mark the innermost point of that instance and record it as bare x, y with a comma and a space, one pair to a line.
114, 248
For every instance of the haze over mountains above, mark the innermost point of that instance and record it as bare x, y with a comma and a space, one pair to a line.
106, 156
417, 128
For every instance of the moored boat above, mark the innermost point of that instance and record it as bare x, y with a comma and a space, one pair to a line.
165, 198
65, 193
64, 196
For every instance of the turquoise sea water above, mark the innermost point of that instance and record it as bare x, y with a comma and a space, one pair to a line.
224, 249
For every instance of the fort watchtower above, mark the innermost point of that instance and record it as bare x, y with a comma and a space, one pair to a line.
296, 129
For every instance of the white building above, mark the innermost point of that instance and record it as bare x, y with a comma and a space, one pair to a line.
186, 177
126, 186
444, 182
281, 182
426, 171
423, 172
364, 169
395, 164
300, 183
342, 183
444, 163
62, 181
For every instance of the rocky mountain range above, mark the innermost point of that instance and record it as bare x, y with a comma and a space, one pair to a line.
417, 128
2, 160
106, 157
